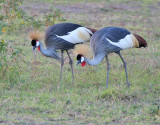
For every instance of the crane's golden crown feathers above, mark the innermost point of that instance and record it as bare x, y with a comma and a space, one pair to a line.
82, 49
36, 35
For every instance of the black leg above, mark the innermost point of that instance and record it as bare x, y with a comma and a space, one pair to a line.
62, 63
71, 63
125, 66
108, 68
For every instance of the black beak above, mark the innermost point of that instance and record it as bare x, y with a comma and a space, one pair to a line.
34, 48
79, 61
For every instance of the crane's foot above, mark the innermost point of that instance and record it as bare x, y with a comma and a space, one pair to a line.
128, 84
60, 79
107, 84
73, 76
72, 81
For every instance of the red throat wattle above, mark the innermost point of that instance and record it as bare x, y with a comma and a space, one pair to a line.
38, 48
83, 63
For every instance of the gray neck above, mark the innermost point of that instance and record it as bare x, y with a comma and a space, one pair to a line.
49, 52
96, 60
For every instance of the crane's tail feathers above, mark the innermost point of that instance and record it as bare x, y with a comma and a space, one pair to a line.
36, 35
141, 41
82, 49
92, 30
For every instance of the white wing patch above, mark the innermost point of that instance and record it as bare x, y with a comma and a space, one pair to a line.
124, 43
78, 35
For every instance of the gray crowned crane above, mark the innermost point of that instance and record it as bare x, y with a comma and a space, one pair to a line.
108, 40
63, 37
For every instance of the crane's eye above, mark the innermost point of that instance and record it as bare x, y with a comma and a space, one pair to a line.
82, 59
37, 43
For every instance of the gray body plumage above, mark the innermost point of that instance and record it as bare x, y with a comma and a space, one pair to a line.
54, 43
61, 37
108, 40
51, 40
100, 46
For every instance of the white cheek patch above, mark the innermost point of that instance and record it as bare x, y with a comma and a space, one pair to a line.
37, 43
82, 59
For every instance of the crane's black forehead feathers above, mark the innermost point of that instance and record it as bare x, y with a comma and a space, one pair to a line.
79, 56
33, 42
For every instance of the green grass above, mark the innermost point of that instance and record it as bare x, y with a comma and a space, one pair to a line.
36, 96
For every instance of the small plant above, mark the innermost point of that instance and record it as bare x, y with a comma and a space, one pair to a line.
51, 18
11, 10
9, 19
15, 19
9, 62
3, 50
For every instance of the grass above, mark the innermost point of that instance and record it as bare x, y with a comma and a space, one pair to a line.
36, 96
